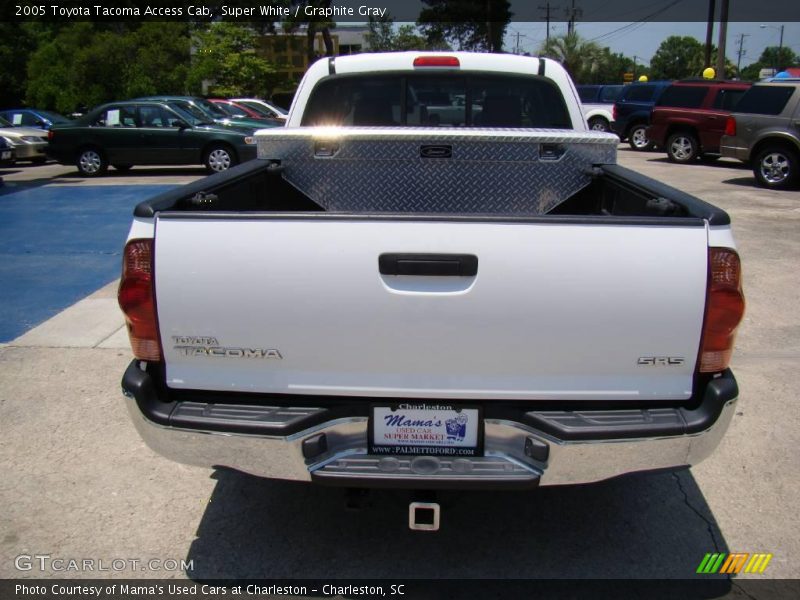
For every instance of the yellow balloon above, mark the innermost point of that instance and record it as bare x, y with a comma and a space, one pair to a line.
709, 73
642, 77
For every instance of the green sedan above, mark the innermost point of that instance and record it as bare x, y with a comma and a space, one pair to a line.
124, 134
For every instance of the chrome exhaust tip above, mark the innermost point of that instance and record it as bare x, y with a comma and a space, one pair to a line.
424, 516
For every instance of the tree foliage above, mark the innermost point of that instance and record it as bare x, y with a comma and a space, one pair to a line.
161, 59
579, 57
611, 67
382, 37
18, 43
88, 63
476, 25
771, 58
312, 25
587, 62
679, 57
80, 66
226, 57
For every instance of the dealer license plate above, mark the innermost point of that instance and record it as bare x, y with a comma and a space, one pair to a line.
6, 155
430, 428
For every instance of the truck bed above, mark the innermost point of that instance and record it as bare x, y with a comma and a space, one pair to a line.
355, 299
521, 181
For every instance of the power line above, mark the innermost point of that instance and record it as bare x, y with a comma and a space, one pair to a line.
616, 16
639, 23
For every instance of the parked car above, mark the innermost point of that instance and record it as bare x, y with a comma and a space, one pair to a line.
208, 111
237, 111
597, 102
33, 117
631, 112
28, 143
765, 132
6, 153
689, 118
268, 109
123, 134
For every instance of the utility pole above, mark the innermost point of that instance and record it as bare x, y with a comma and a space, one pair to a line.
709, 31
741, 51
516, 45
634, 66
777, 65
723, 34
547, 18
572, 13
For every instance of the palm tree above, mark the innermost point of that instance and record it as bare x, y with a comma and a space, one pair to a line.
578, 56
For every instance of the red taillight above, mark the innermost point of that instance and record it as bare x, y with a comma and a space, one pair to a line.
436, 61
724, 309
730, 126
137, 301
50, 135
614, 112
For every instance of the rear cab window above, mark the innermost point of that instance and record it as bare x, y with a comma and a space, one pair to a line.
428, 100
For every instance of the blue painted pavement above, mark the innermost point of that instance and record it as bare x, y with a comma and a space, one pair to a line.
58, 244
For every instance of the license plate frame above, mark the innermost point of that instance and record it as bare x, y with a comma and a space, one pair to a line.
6, 155
460, 439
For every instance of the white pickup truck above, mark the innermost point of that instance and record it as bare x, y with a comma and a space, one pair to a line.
380, 300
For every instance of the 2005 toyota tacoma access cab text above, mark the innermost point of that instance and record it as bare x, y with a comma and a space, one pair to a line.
433, 277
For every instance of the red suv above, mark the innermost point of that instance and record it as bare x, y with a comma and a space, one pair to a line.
689, 118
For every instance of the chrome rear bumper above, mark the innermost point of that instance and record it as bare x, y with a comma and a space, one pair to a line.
516, 455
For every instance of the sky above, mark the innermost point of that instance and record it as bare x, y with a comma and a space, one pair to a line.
642, 40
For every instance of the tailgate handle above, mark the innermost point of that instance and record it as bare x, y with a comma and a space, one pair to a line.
442, 265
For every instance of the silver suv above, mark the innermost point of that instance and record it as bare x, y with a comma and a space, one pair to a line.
765, 132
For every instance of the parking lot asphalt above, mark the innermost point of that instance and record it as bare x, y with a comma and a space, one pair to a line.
77, 482
58, 244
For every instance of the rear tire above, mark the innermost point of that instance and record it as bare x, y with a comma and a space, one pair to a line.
91, 162
776, 168
219, 158
682, 147
637, 138
599, 124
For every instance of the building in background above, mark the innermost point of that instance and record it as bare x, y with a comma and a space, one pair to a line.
287, 51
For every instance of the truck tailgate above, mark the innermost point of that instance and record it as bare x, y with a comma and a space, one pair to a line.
557, 309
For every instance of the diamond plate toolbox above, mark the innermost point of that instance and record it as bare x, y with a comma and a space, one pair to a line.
466, 171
